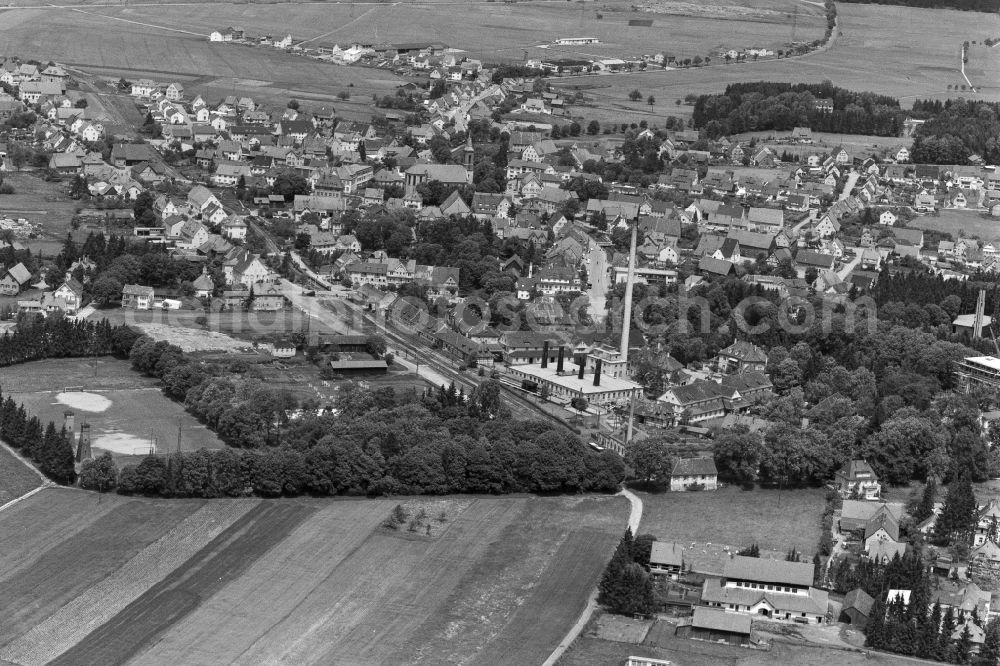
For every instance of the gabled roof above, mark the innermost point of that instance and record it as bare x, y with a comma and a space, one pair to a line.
745, 351
19, 273
667, 553
694, 467
717, 619
766, 570
859, 600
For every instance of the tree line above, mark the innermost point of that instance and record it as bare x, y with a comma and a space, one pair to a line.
991, 6
764, 105
378, 442
51, 450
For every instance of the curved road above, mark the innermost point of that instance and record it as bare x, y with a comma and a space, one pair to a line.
635, 516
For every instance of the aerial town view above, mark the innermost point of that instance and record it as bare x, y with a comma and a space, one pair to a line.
514, 332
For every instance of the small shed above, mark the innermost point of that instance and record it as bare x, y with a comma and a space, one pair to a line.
857, 608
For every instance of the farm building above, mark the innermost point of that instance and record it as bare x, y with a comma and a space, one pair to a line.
666, 559
713, 624
857, 608
776, 589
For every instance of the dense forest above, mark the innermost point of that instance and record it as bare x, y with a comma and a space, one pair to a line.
956, 129
377, 443
747, 107
965, 5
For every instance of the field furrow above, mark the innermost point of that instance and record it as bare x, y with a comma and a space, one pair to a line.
369, 605
97, 605
225, 558
232, 620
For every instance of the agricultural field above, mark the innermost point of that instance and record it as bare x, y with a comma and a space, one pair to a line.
879, 48
16, 478
496, 580
736, 518
125, 410
967, 223
161, 49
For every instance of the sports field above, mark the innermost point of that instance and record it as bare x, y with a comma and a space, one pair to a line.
125, 410
113, 580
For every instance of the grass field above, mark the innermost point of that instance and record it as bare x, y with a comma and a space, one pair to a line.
114, 580
16, 478
138, 411
775, 520
964, 223
40, 201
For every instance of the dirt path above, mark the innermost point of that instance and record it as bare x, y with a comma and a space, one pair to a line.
634, 518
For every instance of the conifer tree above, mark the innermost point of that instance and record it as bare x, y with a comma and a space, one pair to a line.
875, 631
926, 507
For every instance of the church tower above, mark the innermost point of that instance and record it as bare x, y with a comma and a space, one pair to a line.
468, 153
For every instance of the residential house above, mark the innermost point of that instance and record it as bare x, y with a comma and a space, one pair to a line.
71, 293
13, 280
857, 478
137, 297
741, 357
694, 473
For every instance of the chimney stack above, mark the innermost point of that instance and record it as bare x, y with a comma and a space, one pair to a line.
559, 363
582, 361
69, 422
545, 354
597, 373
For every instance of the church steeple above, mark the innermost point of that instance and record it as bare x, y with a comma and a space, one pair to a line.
468, 153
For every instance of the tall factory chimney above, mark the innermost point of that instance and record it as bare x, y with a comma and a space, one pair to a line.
977, 327
597, 373
582, 363
545, 354
559, 362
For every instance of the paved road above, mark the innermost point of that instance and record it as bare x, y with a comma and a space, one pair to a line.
846, 269
852, 179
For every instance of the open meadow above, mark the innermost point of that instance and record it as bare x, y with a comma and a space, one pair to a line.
126, 411
90, 579
959, 223
736, 518
41, 202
